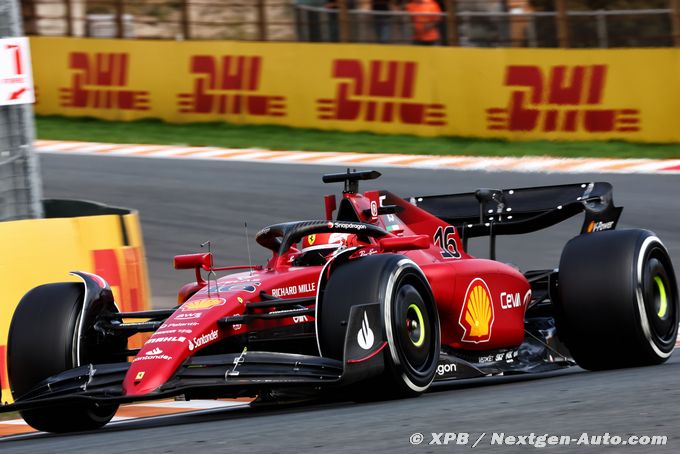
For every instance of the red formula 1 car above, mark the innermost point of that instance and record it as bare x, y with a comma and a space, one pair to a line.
379, 300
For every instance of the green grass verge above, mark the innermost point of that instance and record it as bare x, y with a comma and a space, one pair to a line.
9, 416
285, 138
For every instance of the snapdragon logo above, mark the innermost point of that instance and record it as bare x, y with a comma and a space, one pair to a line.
345, 225
197, 342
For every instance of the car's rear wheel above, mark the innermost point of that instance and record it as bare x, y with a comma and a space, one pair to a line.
617, 302
42, 342
410, 321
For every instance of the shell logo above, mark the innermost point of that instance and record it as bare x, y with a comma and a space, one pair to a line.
205, 303
477, 315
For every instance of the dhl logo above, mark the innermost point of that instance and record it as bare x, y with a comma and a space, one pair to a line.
229, 85
477, 315
206, 303
99, 82
565, 99
378, 91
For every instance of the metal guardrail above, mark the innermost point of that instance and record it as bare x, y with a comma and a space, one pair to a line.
596, 28
466, 22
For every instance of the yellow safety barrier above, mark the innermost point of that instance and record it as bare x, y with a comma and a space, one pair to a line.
74, 236
629, 94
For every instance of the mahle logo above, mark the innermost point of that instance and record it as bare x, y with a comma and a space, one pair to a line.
477, 315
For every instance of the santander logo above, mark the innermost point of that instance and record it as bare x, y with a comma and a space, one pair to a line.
202, 340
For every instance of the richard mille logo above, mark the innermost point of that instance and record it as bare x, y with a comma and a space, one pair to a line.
365, 336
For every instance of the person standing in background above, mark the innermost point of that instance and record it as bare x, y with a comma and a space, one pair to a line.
425, 32
382, 23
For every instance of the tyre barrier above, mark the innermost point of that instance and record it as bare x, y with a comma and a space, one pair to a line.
74, 235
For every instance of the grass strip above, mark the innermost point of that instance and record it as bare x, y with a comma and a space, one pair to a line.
285, 138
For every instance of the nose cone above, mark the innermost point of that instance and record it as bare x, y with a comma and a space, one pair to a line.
191, 328
154, 365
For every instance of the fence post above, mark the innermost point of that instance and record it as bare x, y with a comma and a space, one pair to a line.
602, 31
29, 12
343, 14
186, 20
675, 19
120, 10
262, 19
69, 17
532, 34
562, 20
452, 23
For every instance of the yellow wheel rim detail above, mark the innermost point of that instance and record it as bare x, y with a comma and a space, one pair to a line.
663, 306
419, 314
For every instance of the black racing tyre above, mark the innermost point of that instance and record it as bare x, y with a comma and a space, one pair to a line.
41, 343
617, 302
410, 321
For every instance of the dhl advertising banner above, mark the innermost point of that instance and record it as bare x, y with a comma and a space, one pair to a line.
629, 94
40, 251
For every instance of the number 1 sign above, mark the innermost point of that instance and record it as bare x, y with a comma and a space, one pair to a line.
16, 81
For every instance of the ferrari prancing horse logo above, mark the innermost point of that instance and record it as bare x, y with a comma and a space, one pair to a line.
477, 315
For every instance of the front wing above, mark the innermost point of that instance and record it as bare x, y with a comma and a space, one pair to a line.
248, 373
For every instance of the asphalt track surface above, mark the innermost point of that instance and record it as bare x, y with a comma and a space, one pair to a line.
184, 203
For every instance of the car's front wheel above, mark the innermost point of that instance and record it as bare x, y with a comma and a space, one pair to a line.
42, 342
410, 321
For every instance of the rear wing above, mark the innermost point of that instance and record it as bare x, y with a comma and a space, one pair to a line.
490, 212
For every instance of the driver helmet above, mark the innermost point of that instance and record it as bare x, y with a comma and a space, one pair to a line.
324, 241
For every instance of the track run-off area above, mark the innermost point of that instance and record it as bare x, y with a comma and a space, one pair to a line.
208, 196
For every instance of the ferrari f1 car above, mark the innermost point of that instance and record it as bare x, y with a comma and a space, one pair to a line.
377, 300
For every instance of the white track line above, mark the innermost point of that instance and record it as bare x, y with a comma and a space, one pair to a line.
489, 164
